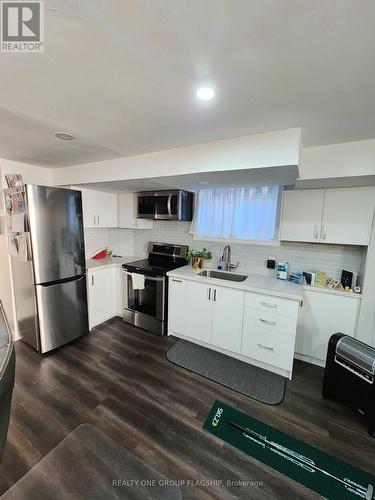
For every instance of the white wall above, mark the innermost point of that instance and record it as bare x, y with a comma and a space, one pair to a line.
32, 174
253, 151
338, 160
366, 323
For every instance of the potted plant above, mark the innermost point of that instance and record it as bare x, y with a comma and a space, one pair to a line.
197, 257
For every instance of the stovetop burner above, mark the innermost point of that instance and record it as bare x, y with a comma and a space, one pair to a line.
163, 257
152, 268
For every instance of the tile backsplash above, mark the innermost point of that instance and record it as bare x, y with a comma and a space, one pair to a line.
301, 256
120, 241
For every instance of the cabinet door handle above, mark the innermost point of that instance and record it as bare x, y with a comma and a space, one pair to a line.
215, 295
261, 346
273, 323
209, 294
98, 221
92, 280
267, 304
316, 232
94, 221
176, 281
323, 232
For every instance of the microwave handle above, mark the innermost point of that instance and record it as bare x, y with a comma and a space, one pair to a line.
169, 206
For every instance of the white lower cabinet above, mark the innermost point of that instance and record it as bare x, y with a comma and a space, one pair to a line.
227, 315
269, 331
209, 314
323, 315
119, 285
272, 348
242, 324
198, 311
101, 293
177, 305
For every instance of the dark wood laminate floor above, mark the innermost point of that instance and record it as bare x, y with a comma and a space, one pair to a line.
118, 379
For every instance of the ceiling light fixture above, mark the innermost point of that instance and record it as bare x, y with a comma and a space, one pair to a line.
65, 136
205, 93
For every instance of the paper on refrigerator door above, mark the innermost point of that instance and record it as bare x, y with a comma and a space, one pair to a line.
17, 223
12, 245
18, 246
23, 253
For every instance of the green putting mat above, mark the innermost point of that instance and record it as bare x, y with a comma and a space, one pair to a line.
330, 477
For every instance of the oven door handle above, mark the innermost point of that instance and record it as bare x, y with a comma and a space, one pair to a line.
145, 275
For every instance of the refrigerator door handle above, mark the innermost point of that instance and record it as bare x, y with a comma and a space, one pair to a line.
60, 282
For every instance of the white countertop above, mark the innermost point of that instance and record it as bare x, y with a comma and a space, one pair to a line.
253, 283
110, 261
331, 291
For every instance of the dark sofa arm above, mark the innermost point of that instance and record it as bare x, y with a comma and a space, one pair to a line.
7, 372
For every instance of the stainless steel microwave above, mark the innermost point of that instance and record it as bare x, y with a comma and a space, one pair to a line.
165, 205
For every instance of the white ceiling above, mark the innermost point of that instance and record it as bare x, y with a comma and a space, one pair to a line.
120, 76
277, 176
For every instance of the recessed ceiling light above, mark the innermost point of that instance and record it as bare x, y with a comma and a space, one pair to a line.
205, 93
65, 136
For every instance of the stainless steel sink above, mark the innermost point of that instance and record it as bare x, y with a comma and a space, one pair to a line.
222, 275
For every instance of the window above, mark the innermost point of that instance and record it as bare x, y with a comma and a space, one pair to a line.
243, 213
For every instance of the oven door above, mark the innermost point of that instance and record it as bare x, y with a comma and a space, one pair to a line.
167, 205
145, 308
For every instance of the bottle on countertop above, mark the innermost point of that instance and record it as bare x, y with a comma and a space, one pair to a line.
282, 270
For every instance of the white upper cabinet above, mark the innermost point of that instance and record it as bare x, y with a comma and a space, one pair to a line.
107, 209
302, 215
99, 208
347, 216
88, 207
342, 216
127, 213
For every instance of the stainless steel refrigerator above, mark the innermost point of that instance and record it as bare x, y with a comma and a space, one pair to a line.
50, 289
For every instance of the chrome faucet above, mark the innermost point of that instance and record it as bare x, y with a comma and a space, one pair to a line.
225, 259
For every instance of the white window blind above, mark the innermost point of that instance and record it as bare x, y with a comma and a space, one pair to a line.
243, 213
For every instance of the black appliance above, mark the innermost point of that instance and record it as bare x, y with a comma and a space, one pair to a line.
349, 278
165, 205
349, 376
148, 308
7, 371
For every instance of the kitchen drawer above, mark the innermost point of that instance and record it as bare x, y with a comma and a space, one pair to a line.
263, 345
272, 304
270, 321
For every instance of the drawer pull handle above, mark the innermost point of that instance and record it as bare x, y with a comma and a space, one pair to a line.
176, 281
267, 304
273, 323
261, 346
